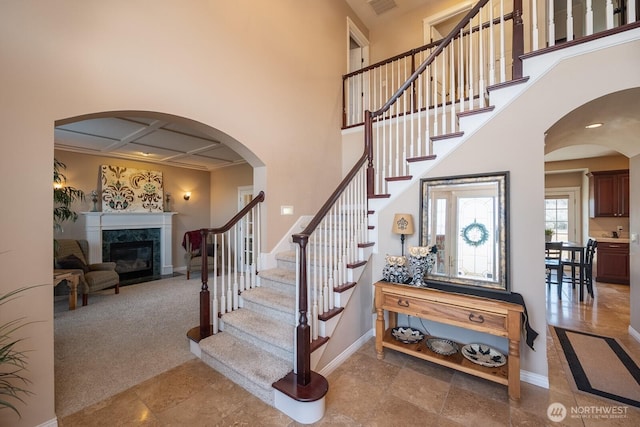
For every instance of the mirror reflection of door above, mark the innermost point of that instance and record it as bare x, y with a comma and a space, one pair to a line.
472, 253
475, 252
244, 240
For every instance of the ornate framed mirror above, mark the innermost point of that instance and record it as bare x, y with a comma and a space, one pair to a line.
466, 218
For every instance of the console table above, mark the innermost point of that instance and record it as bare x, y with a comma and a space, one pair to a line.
494, 317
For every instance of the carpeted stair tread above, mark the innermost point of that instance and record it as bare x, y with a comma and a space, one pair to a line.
241, 356
261, 328
286, 256
272, 298
281, 275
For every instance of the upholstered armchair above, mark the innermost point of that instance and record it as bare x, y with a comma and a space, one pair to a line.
72, 255
193, 259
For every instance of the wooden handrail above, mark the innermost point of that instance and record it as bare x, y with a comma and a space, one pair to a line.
205, 329
233, 221
445, 42
324, 210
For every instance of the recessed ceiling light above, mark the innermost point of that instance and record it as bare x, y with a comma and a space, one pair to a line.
146, 154
593, 125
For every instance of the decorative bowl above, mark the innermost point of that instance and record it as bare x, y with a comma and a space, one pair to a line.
484, 355
442, 346
407, 334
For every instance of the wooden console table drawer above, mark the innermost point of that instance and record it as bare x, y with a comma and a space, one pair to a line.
490, 316
452, 314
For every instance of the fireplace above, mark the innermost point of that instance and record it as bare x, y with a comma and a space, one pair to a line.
133, 259
104, 228
136, 252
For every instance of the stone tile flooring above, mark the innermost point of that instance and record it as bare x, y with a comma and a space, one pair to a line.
397, 391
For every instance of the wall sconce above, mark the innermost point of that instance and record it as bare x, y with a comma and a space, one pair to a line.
402, 225
187, 195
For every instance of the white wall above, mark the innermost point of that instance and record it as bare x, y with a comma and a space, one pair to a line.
514, 140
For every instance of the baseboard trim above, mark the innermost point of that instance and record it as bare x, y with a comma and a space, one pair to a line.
349, 351
534, 379
634, 334
51, 423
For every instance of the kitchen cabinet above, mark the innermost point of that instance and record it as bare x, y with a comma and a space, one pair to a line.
609, 193
612, 262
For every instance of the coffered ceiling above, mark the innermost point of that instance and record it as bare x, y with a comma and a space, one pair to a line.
145, 139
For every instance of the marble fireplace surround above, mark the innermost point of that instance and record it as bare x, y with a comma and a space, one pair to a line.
96, 222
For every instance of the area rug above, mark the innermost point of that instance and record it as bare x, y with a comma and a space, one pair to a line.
601, 366
118, 341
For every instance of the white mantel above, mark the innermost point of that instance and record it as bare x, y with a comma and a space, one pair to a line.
98, 221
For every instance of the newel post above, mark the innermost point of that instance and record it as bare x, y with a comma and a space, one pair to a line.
368, 146
518, 39
205, 307
303, 330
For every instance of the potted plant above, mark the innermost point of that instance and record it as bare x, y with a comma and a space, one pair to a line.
13, 362
63, 197
548, 234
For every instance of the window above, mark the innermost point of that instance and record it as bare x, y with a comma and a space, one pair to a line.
556, 216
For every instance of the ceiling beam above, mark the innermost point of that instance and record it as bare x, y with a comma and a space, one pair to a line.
144, 131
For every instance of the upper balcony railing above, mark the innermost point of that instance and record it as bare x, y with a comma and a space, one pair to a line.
545, 23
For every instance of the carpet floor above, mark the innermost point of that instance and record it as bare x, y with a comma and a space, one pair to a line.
117, 341
601, 366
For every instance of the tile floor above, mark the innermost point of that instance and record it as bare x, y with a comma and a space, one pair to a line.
398, 391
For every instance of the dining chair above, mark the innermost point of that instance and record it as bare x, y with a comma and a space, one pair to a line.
582, 277
553, 262
588, 265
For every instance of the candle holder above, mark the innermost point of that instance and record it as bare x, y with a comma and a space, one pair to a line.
94, 199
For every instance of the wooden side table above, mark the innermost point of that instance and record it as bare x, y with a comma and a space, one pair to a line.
493, 317
73, 279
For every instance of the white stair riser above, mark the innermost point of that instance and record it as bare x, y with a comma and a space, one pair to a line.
341, 298
326, 328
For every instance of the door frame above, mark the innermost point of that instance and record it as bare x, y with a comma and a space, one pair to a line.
436, 18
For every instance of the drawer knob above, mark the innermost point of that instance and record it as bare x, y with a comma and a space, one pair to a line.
476, 319
403, 303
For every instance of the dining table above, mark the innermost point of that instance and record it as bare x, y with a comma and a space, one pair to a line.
576, 260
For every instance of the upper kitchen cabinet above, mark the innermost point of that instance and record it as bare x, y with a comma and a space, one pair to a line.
609, 193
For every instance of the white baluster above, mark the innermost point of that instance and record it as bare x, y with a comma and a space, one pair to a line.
588, 18
481, 61
551, 26
235, 288
452, 93
229, 303
223, 276
609, 13
570, 19
443, 90
503, 61
470, 66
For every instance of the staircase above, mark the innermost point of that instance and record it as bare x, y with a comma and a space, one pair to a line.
255, 347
